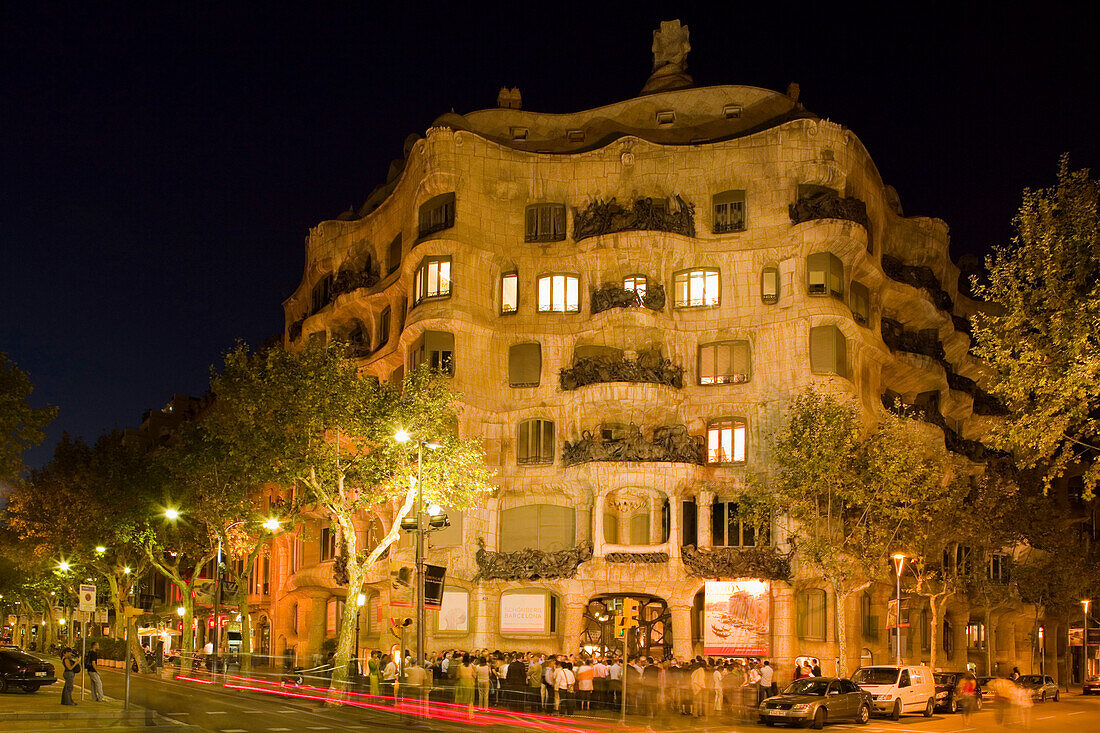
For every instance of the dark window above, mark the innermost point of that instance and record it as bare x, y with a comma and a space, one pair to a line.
432, 279
828, 351
726, 440
729, 530
925, 630
436, 349
509, 292
545, 223
384, 327
859, 300
397, 376
769, 285
825, 274
868, 621
266, 575
929, 401
810, 614
437, 214
690, 526
394, 255
524, 365
328, 543
321, 294
535, 442
948, 642
696, 288
729, 212
724, 362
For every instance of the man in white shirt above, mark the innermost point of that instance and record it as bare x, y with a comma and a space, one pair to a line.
767, 676
599, 682
614, 682
446, 663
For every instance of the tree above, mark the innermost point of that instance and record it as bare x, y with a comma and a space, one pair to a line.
21, 426
1042, 337
333, 434
852, 494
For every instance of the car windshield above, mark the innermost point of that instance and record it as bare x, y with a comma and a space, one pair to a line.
945, 679
20, 657
808, 686
875, 676
1031, 679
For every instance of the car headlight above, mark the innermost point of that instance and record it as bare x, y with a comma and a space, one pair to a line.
763, 706
801, 707
883, 697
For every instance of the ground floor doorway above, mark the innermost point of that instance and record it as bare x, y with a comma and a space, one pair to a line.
652, 639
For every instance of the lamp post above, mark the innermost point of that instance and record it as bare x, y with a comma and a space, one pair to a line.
1042, 653
360, 600
1085, 642
899, 565
403, 436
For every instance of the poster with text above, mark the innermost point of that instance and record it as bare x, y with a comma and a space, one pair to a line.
523, 613
454, 612
737, 618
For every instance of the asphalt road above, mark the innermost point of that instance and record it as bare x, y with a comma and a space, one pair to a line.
221, 710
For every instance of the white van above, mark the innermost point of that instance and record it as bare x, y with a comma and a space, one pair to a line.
898, 690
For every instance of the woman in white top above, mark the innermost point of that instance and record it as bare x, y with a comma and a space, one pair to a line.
481, 681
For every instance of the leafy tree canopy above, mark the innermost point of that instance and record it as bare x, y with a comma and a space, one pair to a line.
21, 426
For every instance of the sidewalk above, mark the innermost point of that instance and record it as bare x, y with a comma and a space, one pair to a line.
43, 709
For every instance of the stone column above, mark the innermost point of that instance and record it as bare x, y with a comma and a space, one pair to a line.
311, 617
655, 523
674, 533
573, 624
681, 632
704, 501
624, 526
597, 525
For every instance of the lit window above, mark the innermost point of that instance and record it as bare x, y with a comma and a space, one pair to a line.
696, 288
559, 294
729, 212
725, 362
769, 285
825, 274
432, 279
636, 284
436, 349
509, 292
545, 223
726, 440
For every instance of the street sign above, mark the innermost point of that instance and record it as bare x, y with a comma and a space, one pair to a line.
101, 615
87, 598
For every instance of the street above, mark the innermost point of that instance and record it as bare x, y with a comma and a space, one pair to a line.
219, 710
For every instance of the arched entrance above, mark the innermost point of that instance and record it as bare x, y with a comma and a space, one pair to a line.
654, 635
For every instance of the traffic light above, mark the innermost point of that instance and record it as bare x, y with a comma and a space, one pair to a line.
620, 625
630, 613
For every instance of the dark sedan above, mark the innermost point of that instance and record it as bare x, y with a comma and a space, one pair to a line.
947, 697
19, 669
817, 700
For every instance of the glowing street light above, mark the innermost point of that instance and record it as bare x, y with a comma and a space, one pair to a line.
171, 514
271, 525
100, 549
402, 436
180, 611
63, 566
126, 571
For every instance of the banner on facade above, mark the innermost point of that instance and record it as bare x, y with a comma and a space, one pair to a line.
433, 586
892, 614
87, 598
736, 618
401, 584
455, 611
523, 613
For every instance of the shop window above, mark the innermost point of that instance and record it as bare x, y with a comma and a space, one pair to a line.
724, 362
432, 279
542, 527
975, 635
454, 614
828, 351
321, 293
697, 288
729, 212
859, 300
728, 529
825, 274
437, 214
384, 327
436, 349
524, 365
535, 442
528, 611
769, 285
545, 223
334, 613
559, 294
509, 293
394, 255
726, 440
636, 284
810, 614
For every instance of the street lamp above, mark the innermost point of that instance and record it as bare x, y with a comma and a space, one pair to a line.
171, 514
100, 549
63, 566
403, 436
1085, 642
360, 600
180, 611
1042, 652
899, 565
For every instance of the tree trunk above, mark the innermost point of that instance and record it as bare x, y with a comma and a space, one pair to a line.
936, 605
345, 643
112, 589
988, 617
841, 600
187, 652
243, 583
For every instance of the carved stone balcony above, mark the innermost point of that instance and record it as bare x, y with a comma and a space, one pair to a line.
648, 368
971, 449
918, 276
610, 296
608, 217
730, 562
294, 331
347, 280
828, 204
668, 444
529, 564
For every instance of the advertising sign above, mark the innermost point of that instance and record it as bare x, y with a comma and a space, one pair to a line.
87, 598
433, 586
454, 611
736, 618
523, 613
402, 577
892, 614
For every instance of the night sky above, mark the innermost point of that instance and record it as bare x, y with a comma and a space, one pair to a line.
163, 162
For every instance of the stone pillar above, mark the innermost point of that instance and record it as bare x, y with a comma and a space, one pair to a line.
681, 632
704, 504
624, 526
674, 539
655, 523
573, 624
311, 617
483, 620
597, 525
783, 641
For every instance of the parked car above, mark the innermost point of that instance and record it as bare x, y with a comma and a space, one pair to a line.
19, 669
1091, 686
898, 690
988, 692
1042, 687
814, 700
946, 685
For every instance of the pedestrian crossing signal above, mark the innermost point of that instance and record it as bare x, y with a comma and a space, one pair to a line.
620, 625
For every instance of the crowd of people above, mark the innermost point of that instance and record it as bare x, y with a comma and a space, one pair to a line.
563, 684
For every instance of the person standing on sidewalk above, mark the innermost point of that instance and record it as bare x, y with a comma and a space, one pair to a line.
68, 661
90, 660
767, 676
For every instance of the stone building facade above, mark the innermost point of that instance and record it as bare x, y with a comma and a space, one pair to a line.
625, 297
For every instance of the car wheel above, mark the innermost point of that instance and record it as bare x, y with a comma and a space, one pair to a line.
953, 706
769, 723
1056, 694
863, 715
3, 685
896, 714
930, 707
1043, 696
977, 702
30, 688
819, 719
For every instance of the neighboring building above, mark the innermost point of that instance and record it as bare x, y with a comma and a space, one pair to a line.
625, 297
